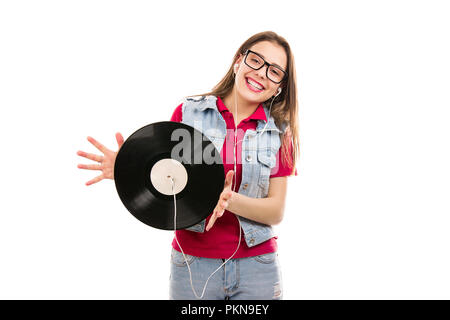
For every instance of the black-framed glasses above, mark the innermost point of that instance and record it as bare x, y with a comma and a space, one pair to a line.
273, 72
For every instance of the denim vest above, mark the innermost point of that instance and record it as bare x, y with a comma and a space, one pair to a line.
258, 157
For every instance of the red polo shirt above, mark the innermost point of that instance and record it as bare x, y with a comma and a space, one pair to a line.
221, 240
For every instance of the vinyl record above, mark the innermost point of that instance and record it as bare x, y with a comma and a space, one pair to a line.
160, 151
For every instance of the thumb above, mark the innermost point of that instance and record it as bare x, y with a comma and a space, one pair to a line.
119, 139
229, 178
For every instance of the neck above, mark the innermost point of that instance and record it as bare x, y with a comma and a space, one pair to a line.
245, 108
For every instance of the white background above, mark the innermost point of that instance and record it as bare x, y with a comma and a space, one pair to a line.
366, 218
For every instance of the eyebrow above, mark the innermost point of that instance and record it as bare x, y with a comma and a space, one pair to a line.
271, 63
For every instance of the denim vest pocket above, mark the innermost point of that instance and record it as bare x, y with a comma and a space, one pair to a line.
267, 160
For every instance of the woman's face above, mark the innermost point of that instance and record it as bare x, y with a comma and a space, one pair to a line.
253, 85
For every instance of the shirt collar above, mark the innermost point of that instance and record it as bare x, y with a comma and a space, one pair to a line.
259, 113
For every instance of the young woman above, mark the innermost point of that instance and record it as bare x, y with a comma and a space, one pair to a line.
251, 117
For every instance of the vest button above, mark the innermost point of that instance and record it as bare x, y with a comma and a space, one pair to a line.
245, 186
248, 158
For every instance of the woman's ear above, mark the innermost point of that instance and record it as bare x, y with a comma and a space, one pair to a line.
237, 64
239, 59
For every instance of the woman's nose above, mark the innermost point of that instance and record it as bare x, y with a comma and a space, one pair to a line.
262, 72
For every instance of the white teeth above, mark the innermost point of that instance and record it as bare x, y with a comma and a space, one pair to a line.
257, 86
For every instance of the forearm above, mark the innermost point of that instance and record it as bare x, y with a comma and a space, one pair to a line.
264, 210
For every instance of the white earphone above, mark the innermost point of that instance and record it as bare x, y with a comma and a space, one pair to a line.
279, 91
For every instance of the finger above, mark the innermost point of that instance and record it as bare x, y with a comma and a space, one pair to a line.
95, 180
119, 139
211, 221
97, 144
90, 166
90, 156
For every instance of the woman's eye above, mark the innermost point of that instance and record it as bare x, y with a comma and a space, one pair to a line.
255, 60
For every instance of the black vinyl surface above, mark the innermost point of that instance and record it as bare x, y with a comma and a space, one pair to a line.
152, 143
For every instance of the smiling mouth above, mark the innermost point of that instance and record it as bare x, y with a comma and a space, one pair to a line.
253, 85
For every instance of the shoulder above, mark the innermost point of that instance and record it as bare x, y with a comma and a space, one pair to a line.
193, 104
199, 103
199, 99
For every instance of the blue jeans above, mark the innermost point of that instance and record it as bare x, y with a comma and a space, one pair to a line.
252, 278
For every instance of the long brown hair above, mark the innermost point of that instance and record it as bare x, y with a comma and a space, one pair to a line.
285, 105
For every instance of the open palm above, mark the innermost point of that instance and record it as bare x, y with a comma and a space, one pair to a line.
105, 161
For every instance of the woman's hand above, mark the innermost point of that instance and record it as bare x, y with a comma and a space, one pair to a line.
224, 200
106, 162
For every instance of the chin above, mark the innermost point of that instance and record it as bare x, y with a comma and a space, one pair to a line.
251, 97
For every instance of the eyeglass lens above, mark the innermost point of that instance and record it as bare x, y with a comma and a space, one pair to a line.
256, 62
